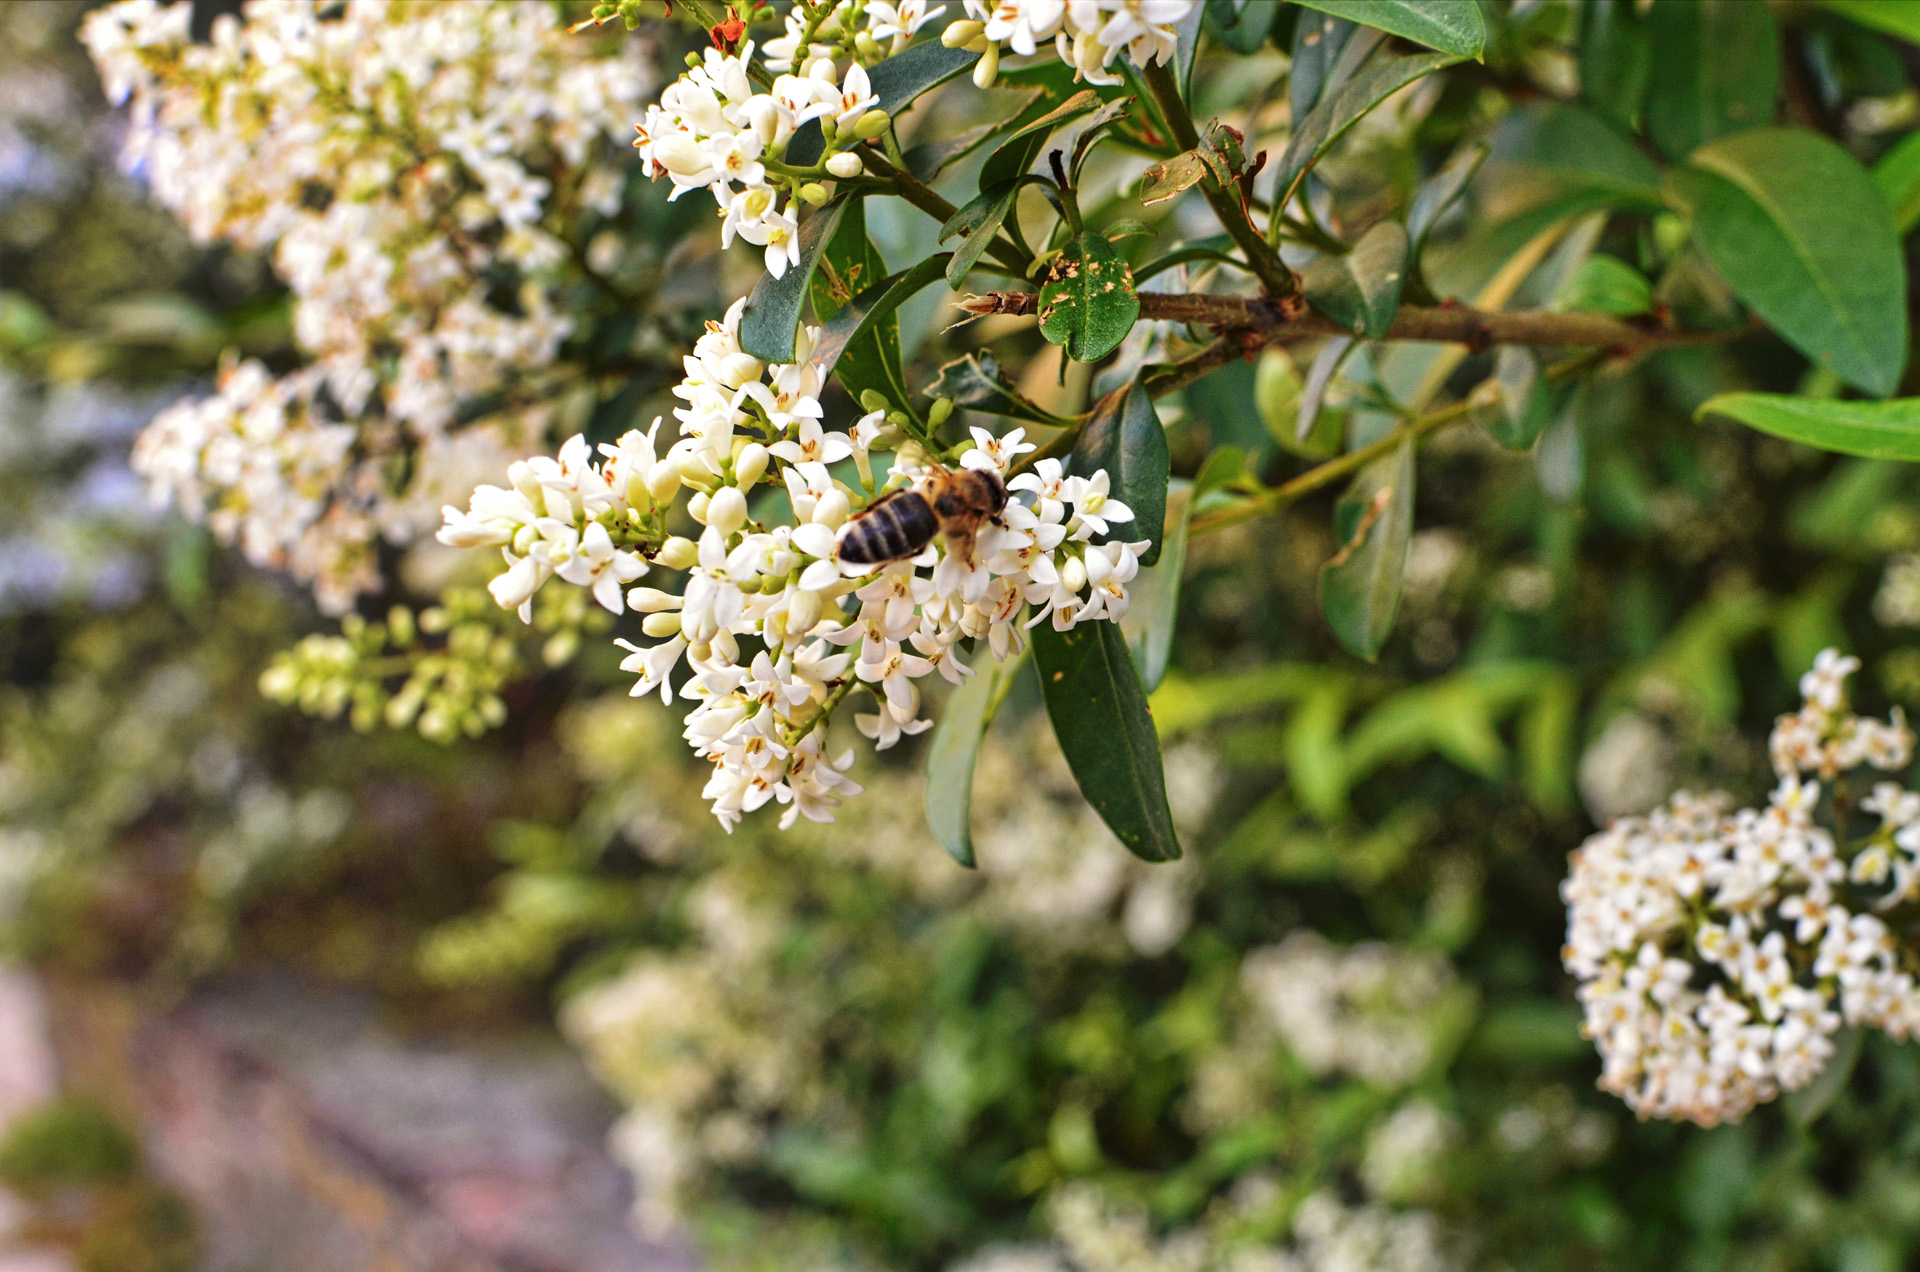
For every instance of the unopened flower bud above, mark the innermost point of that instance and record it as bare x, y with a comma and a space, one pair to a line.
727, 510
803, 611
651, 600
872, 124
845, 164
987, 69
694, 60
663, 483
751, 465
678, 553
942, 408
814, 193
960, 34
899, 419
864, 45
1074, 574
665, 623
697, 507
872, 400
833, 508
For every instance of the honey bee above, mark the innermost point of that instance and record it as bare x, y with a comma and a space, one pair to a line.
902, 522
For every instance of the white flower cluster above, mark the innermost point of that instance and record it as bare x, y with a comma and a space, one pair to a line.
416, 170
821, 627
1368, 1010
1720, 951
1087, 34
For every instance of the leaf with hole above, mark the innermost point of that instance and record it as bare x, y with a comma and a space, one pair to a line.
1361, 290
1876, 430
955, 746
1099, 713
1348, 104
1794, 224
1715, 71
1452, 26
1360, 585
1088, 302
1124, 437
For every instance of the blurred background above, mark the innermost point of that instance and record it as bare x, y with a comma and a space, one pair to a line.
320, 983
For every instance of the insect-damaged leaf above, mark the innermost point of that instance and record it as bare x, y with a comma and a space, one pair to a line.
1361, 290
1169, 177
772, 316
1088, 302
1124, 436
1099, 713
1360, 585
956, 745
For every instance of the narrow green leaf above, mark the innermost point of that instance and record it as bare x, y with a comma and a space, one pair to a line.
1099, 713
1360, 586
1877, 430
1329, 121
1452, 26
1512, 404
865, 313
1087, 302
977, 383
1607, 285
955, 746
1898, 176
1240, 25
1438, 192
1124, 436
1326, 364
772, 317
1615, 59
849, 266
1570, 148
1018, 152
1715, 71
979, 221
1797, 229
1900, 18
1326, 50
1096, 127
1153, 598
1361, 290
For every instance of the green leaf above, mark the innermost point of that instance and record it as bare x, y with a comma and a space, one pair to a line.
1900, 18
1099, 713
1607, 285
1438, 192
955, 746
1326, 51
1452, 26
1361, 290
1512, 404
1329, 121
896, 81
1877, 430
1571, 148
1221, 400
1018, 152
868, 312
1124, 436
1154, 595
1360, 586
1898, 176
979, 220
977, 383
1716, 70
1797, 229
772, 316
1615, 58
1326, 364
850, 266
1240, 25
1087, 302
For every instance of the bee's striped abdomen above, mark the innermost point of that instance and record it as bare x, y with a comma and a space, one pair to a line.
898, 526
